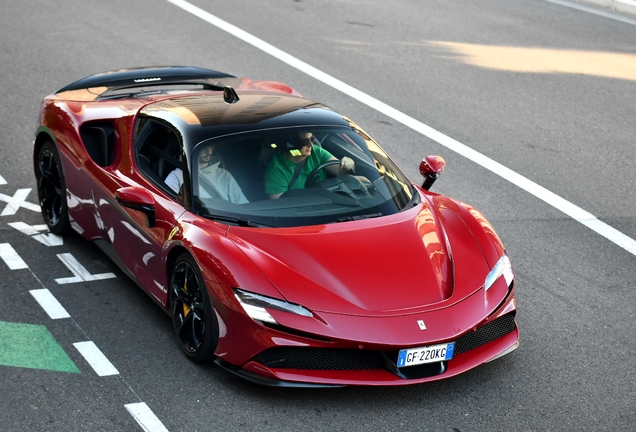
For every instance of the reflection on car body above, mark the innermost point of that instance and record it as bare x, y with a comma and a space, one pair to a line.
339, 279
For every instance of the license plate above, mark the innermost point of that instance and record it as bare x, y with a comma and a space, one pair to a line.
427, 354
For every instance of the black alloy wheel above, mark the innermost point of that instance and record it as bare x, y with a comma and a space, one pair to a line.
193, 317
52, 189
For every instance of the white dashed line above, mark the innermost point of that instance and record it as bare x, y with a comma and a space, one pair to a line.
11, 257
573, 211
96, 359
145, 417
49, 303
93, 356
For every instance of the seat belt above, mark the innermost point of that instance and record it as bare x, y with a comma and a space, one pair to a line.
297, 170
209, 188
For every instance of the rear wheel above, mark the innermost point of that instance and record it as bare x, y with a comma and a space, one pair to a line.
193, 317
52, 189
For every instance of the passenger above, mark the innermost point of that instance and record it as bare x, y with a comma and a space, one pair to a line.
220, 179
290, 168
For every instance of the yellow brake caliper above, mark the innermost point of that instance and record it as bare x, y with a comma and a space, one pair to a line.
186, 308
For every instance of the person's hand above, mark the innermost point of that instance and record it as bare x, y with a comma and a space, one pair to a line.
347, 163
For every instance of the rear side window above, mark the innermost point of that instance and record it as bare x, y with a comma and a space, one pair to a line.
158, 152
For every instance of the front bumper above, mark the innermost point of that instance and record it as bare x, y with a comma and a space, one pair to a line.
304, 365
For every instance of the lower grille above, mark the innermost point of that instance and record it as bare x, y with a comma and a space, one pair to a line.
320, 358
352, 359
486, 334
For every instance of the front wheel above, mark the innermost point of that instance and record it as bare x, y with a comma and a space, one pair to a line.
52, 189
193, 316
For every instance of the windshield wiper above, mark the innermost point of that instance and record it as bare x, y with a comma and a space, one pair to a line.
359, 217
234, 220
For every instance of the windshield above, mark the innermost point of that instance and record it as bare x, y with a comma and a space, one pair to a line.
295, 176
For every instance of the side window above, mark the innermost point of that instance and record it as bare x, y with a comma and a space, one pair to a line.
158, 155
99, 140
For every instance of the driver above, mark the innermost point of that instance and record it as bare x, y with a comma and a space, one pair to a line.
290, 168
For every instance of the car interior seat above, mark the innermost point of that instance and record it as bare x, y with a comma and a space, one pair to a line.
168, 156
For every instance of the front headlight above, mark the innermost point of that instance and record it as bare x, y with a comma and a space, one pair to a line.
254, 305
502, 268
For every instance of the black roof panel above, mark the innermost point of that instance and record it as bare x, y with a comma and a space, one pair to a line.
150, 76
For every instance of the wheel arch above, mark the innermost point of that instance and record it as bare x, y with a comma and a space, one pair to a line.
174, 253
210, 333
42, 136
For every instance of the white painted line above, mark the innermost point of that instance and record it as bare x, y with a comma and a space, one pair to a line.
16, 201
47, 239
595, 11
95, 358
79, 272
11, 257
24, 228
575, 212
145, 417
49, 303
2, 181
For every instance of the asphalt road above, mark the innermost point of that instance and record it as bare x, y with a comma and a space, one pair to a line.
544, 90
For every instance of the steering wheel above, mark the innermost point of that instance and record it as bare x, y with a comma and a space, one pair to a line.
355, 187
313, 175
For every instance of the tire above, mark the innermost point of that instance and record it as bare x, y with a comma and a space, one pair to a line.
52, 189
193, 316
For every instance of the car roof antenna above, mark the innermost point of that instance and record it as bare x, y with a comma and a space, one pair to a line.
229, 94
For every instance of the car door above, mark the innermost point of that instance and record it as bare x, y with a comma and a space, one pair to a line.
131, 237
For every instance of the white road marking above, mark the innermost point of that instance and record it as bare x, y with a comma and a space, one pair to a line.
95, 358
594, 10
573, 211
11, 257
16, 201
49, 303
47, 239
24, 228
2, 181
145, 417
79, 272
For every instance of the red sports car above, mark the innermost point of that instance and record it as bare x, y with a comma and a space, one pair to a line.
281, 238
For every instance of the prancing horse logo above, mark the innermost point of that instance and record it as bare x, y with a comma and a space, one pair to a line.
421, 324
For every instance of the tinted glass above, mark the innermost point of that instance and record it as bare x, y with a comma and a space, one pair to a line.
256, 177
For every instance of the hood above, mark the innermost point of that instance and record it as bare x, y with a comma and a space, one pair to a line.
381, 265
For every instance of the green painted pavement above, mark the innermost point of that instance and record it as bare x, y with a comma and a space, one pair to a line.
32, 346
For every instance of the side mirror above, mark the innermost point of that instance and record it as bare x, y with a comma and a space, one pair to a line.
137, 199
430, 168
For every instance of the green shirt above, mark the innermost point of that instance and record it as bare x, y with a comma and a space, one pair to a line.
280, 171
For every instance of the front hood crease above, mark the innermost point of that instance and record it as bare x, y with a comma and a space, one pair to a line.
393, 263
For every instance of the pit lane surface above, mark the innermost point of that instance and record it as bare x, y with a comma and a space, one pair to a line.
544, 90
